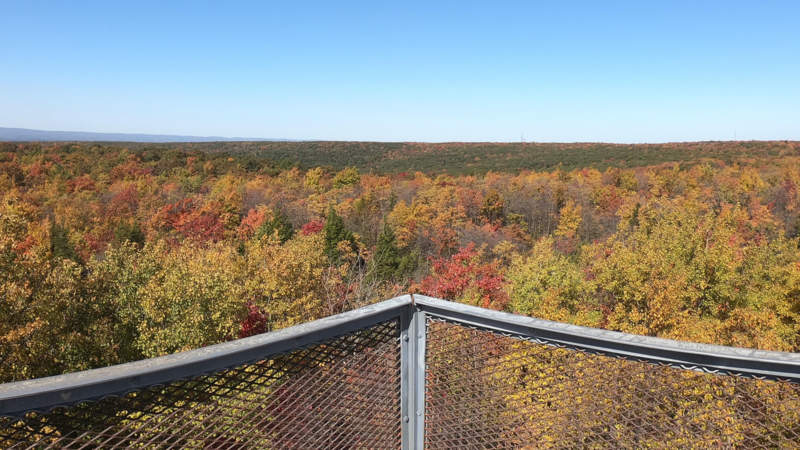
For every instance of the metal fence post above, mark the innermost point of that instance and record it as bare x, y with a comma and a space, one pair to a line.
412, 377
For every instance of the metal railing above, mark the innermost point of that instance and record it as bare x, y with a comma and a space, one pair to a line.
415, 372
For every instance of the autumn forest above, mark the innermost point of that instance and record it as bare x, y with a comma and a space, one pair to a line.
117, 252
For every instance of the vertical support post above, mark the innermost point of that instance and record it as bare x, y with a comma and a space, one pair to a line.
420, 329
406, 376
413, 330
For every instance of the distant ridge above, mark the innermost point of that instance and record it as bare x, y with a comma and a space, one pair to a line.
25, 134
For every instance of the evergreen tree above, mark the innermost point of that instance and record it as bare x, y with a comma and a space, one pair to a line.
387, 255
391, 262
335, 232
59, 243
129, 232
279, 223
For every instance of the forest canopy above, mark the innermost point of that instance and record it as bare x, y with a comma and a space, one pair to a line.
112, 253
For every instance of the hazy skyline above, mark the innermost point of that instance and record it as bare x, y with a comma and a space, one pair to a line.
455, 71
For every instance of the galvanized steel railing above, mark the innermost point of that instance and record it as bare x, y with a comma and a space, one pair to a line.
416, 372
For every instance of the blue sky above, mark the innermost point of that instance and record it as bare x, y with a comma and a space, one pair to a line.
565, 71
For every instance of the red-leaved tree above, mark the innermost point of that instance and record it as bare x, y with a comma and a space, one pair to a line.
464, 274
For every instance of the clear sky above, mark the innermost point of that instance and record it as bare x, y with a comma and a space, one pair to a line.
638, 71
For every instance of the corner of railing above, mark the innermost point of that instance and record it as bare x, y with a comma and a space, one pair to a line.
412, 376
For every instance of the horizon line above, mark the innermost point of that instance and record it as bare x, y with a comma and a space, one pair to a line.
152, 138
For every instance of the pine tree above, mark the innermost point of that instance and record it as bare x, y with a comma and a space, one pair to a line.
335, 232
387, 255
279, 223
130, 232
59, 243
391, 262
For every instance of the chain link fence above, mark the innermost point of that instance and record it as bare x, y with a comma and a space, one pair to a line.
407, 374
342, 393
489, 390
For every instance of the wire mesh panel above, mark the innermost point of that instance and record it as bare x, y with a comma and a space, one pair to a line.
342, 393
487, 390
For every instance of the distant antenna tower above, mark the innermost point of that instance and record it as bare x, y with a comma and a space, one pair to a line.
522, 137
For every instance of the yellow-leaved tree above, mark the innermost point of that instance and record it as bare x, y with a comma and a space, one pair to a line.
682, 270
287, 280
547, 284
194, 299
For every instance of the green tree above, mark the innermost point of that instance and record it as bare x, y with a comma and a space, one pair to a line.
335, 232
60, 246
390, 262
279, 223
129, 231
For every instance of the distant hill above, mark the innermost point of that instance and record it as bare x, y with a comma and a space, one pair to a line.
455, 158
459, 158
25, 134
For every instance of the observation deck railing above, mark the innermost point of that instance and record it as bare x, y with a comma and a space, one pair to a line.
415, 372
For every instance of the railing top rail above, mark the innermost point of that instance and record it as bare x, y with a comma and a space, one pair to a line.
46, 393
687, 355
